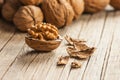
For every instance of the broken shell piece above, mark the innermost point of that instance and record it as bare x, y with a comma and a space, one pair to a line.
63, 60
43, 45
75, 65
81, 47
80, 54
71, 41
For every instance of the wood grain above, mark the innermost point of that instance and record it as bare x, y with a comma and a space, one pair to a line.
19, 62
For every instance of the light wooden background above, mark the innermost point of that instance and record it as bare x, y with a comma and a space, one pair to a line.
102, 30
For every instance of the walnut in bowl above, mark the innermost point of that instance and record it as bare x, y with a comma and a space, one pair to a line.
43, 37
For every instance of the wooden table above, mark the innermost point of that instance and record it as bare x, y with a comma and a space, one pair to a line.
102, 30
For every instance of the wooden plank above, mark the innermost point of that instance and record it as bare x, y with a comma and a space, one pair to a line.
18, 68
10, 51
95, 64
19, 62
92, 33
27, 63
111, 69
73, 31
6, 33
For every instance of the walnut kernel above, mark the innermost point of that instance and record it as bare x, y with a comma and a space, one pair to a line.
44, 31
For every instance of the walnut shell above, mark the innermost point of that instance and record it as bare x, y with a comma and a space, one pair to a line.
27, 16
31, 2
115, 4
78, 7
10, 8
93, 6
43, 45
58, 12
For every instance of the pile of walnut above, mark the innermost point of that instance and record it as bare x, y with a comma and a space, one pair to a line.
25, 13
78, 50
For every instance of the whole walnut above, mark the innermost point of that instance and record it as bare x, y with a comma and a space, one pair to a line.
115, 4
93, 6
78, 7
31, 2
27, 16
10, 8
58, 12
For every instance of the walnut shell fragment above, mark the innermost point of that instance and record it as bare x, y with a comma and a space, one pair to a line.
63, 60
71, 41
80, 46
9, 9
27, 16
78, 7
80, 54
115, 4
43, 37
31, 2
58, 12
76, 65
93, 6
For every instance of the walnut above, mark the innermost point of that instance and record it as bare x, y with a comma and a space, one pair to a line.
10, 8
43, 37
1, 4
115, 4
31, 2
92, 6
63, 60
75, 64
27, 16
58, 12
78, 7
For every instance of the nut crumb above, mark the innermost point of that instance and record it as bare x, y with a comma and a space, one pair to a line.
63, 60
75, 65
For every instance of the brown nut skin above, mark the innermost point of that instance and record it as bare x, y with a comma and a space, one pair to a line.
31, 2
41, 45
9, 9
115, 4
57, 12
93, 6
78, 7
27, 16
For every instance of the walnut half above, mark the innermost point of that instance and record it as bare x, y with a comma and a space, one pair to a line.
43, 37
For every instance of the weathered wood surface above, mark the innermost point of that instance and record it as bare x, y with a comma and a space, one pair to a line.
102, 30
